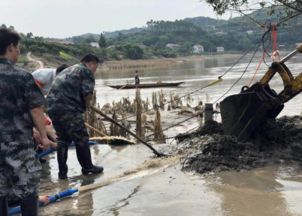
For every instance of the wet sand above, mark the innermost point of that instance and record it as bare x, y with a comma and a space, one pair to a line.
271, 190
160, 187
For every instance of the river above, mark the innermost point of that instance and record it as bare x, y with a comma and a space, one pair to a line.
197, 74
165, 190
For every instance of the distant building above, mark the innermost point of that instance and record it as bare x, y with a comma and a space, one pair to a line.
221, 33
219, 49
249, 32
95, 44
197, 49
172, 46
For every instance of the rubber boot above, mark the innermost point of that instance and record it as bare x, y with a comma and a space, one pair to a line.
93, 170
3, 206
62, 154
29, 205
84, 158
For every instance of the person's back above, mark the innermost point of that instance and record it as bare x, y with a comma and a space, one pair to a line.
44, 78
16, 85
21, 108
136, 78
69, 89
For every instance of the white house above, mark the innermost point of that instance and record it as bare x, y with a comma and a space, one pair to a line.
95, 44
197, 49
172, 46
219, 49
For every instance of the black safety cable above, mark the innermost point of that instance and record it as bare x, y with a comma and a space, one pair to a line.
188, 131
255, 51
263, 39
235, 63
262, 42
287, 18
187, 119
265, 49
260, 25
240, 76
218, 97
203, 87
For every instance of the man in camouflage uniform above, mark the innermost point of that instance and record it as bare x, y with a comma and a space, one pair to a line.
67, 100
21, 108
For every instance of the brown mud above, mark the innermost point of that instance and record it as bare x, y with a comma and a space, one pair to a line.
277, 141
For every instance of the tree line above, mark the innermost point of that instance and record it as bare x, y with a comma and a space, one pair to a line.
235, 35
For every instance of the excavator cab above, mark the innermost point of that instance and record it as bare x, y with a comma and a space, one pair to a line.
242, 113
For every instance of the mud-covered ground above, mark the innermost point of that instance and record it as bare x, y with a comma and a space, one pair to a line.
275, 142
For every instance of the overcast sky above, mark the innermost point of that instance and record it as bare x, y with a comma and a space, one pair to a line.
64, 18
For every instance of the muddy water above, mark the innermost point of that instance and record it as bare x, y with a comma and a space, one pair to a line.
265, 191
196, 74
162, 190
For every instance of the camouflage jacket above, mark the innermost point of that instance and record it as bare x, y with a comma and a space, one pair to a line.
69, 89
19, 94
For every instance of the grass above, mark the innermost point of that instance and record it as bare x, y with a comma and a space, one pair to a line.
65, 56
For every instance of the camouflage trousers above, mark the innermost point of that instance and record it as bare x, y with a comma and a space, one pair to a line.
70, 127
20, 170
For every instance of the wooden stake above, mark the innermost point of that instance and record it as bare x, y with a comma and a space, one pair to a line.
130, 132
138, 113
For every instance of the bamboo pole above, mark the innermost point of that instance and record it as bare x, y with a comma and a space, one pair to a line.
158, 132
130, 132
138, 113
95, 130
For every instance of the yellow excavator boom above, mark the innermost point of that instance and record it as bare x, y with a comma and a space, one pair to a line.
242, 113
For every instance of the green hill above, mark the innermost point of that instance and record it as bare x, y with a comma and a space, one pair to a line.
236, 34
172, 38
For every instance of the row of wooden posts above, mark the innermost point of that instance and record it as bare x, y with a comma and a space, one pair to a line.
98, 127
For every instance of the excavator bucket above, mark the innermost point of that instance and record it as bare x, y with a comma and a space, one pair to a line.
242, 113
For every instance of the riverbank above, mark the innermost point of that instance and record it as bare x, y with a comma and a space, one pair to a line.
148, 64
32, 62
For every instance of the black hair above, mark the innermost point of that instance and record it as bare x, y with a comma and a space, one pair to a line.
91, 58
61, 68
8, 37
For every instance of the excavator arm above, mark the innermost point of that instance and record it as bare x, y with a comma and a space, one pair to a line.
243, 113
292, 85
